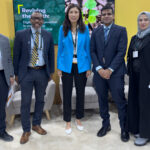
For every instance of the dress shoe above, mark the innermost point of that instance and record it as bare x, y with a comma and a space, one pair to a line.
68, 131
125, 136
141, 141
39, 130
103, 131
79, 127
6, 137
25, 137
137, 135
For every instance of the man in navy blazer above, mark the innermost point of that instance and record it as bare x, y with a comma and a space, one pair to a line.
33, 65
108, 48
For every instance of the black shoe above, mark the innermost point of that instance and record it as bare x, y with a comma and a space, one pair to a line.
6, 137
125, 136
103, 131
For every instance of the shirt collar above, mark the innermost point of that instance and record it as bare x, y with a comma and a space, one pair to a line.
34, 31
107, 26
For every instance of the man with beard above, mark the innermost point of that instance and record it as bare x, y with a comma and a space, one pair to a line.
33, 66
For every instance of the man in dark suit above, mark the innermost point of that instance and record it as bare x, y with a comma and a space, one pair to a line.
6, 80
33, 66
108, 48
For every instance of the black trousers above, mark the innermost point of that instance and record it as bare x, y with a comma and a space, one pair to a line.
116, 87
3, 98
80, 82
38, 80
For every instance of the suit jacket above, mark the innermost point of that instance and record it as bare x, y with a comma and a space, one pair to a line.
22, 52
109, 54
65, 51
6, 58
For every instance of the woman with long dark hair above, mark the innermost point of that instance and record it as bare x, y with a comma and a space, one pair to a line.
73, 63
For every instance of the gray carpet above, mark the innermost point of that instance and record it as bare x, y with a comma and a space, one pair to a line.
56, 139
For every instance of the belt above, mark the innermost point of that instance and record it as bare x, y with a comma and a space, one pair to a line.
37, 67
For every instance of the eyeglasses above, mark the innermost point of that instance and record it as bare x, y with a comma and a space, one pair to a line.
108, 14
37, 18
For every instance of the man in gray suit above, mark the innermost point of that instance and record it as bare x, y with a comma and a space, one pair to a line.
33, 66
6, 79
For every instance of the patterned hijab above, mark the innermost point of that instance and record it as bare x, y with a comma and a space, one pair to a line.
143, 33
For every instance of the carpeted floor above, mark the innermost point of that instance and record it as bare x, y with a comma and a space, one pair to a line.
56, 139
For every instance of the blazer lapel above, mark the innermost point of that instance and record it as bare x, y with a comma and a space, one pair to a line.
79, 40
101, 37
43, 37
70, 35
110, 34
70, 39
29, 33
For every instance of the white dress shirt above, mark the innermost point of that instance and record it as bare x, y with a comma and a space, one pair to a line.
1, 65
40, 61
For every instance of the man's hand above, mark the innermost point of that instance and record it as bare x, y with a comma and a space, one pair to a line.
105, 73
108, 73
12, 80
16, 79
101, 72
50, 78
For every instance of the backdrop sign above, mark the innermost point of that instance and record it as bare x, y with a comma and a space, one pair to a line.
53, 12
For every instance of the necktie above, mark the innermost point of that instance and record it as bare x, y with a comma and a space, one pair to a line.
106, 33
34, 57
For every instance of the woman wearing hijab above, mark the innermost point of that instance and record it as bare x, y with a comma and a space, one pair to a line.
138, 63
73, 63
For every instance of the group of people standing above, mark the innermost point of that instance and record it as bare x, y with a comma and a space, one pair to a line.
105, 51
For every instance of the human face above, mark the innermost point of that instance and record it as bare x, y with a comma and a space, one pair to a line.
143, 22
36, 20
107, 17
73, 15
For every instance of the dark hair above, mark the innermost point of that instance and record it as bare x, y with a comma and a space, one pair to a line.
37, 12
106, 7
67, 23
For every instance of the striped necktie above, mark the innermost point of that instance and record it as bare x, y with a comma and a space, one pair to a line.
34, 57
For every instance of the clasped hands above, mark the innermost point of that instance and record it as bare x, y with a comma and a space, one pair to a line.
105, 73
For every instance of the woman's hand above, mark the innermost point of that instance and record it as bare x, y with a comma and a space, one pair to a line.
59, 72
88, 73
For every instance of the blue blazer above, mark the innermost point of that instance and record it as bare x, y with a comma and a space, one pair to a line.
113, 51
65, 51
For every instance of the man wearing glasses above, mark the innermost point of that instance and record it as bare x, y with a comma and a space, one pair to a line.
108, 48
33, 66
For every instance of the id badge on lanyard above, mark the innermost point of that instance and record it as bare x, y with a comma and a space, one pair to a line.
75, 46
74, 60
135, 54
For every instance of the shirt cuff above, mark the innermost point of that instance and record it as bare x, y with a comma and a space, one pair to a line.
98, 67
111, 69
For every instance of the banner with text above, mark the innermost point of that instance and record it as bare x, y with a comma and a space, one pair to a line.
53, 12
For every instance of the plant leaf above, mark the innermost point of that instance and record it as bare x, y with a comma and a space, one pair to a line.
90, 4
92, 19
86, 22
93, 12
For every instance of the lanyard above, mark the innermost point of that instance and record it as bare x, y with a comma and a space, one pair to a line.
74, 41
40, 42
